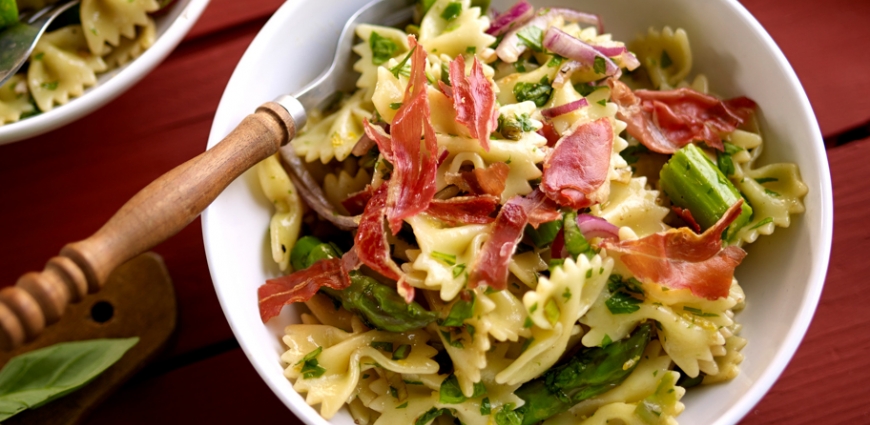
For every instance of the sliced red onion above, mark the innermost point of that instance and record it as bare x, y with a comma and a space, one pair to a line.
564, 109
312, 193
596, 227
582, 55
510, 48
513, 17
626, 58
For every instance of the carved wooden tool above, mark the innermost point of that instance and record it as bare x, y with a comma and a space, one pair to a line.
154, 214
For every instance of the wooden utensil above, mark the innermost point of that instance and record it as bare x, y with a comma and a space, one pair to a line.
157, 212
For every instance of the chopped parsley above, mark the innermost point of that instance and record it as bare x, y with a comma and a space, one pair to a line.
49, 86
485, 407
400, 67
471, 50
458, 269
622, 303
599, 65
450, 393
606, 341
508, 416
460, 312
448, 259
310, 367
452, 11
763, 180
395, 105
538, 92
585, 88
402, 352
533, 37
382, 48
766, 220
699, 312
383, 346
602, 102
556, 60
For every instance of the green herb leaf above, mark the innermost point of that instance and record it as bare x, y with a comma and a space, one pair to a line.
575, 243
556, 60
383, 346
551, 311
622, 303
448, 259
400, 67
606, 341
632, 154
452, 11
402, 352
544, 234
763, 180
396, 105
458, 269
471, 50
725, 163
450, 393
508, 416
485, 407
602, 102
402, 406
430, 415
699, 312
536, 92
533, 37
382, 48
585, 88
32, 379
460, 312
599, 66
666, 59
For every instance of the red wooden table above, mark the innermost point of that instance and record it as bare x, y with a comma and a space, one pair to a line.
62, 186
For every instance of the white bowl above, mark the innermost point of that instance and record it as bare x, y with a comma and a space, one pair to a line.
171, 28
783, 274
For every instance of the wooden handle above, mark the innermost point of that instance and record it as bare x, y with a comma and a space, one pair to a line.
156, 213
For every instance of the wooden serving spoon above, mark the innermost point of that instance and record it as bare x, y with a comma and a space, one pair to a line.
171, 202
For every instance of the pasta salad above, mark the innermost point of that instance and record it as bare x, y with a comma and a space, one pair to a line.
93, 38
516, 219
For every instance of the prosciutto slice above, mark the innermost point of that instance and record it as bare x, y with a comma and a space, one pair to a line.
491, 264
481, 181
303, 284
464, 209
680, 258
665, 121
371, 243
473, 100
411, 147
579, 165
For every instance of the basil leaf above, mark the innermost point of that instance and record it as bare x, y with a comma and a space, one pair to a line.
533, 37
450, 393
452, 11
461, 311
430, 415
536, 92
32, 379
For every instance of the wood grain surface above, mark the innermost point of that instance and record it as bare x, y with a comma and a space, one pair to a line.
62, 186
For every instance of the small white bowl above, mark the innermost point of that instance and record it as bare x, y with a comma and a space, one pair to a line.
783, 274
171, 28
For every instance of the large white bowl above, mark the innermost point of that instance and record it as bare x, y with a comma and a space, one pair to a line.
171, 28
782, 276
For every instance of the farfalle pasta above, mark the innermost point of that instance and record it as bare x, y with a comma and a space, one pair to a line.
517, 219
68, 60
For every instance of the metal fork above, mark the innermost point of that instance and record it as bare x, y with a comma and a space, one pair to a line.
17, 41
171, 202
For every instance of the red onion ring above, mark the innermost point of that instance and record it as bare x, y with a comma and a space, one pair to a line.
511, 48
518, 14
626, 58
596, 227
564, 109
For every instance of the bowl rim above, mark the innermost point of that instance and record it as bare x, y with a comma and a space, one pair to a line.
783, 353
106, 91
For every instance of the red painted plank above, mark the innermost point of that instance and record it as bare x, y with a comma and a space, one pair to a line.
62, 186
224, 389
826, 380
223, 14
826, 43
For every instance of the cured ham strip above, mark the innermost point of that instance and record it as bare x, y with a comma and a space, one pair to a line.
301, 286
473, 100
579, 165
464, 209
377, 134
549, 132
686, 216
413, 148
680, 258
665, 121
356, 202
481, 181
491, 265
371, 243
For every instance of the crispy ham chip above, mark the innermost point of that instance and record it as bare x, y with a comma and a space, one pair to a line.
473, 100
578, 166
680, 258
464, 209
481, 181
491, 265
303, 284
665, 121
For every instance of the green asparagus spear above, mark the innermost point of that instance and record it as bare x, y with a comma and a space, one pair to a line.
380, 306
8, 13
591, 372
575, 242
692, 181
544, 234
